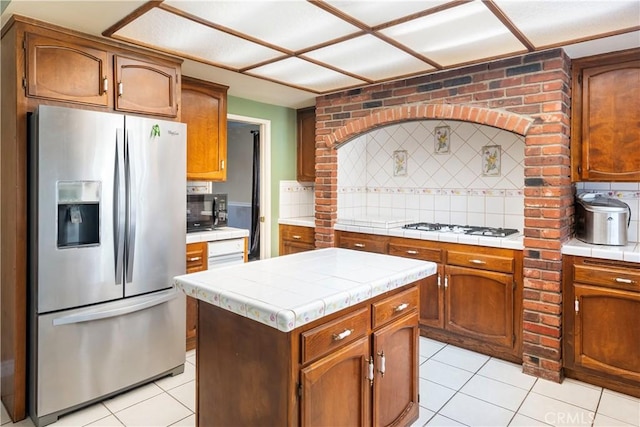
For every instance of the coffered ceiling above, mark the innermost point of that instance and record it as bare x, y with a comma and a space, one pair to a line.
322, 46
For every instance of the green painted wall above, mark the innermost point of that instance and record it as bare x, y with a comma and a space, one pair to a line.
283, 149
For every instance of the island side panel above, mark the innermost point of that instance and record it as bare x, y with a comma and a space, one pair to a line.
243, 371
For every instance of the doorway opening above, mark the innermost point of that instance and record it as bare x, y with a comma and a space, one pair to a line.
248, 181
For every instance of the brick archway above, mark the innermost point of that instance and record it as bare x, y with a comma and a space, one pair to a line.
485, 116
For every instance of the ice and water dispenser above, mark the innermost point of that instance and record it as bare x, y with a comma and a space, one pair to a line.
78, 213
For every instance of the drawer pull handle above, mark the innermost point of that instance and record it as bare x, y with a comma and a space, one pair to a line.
446, 282
342, 335
370, 371
401, 307
412, 252
625, 281
195, 258
477, 261
359, 245
439, 284
297, 237
105, 85
383, 363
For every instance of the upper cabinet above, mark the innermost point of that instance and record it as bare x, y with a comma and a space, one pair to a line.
306, 144
605, 124
72, 69
144, 86
66, 71
204, 110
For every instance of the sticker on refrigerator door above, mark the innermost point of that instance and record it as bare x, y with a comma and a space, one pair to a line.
155, 130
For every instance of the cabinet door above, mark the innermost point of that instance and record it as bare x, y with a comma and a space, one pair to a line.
306, 144
336, 390
66, 71
607, 331
432, 300
146, 87
479, 304
204, 110
395, 384
610, 117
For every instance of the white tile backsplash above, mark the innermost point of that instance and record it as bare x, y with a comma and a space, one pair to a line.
446, 188
297, 199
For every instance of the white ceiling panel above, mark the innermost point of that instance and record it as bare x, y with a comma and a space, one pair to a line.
299, 72
377, 12
547, 22
457, 35
369, 57
177, 34
291, 24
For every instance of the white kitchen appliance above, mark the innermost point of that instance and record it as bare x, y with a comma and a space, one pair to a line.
223, 253
106, 238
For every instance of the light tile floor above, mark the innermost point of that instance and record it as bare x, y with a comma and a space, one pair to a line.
457, 388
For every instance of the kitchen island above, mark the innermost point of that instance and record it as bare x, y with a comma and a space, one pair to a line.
326, 337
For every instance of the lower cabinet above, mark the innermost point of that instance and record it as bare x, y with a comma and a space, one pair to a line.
196, 261
475, 299
356, 367
602, 323
295, 238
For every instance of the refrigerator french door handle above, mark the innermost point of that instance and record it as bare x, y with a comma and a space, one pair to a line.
119, 207
131, 215
103, 313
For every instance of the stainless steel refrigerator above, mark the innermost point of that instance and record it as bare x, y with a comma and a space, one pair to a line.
106, 236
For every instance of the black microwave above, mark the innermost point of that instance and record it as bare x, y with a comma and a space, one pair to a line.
205, 210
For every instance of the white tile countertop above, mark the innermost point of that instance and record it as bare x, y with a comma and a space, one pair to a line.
289, 291
303, 221
630, 252
222, 233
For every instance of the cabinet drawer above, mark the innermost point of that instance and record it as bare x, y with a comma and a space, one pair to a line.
196, 257
323, 339
395, 306
416, 252
363, 242
482, 261
298, 234
619, 277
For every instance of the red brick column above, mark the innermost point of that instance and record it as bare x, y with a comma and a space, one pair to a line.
528, 95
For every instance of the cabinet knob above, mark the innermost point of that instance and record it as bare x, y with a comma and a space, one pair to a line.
342, 335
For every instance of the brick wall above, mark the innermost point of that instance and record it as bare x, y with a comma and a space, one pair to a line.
528, 95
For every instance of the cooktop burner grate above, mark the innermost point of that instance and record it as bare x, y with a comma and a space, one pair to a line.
461, 229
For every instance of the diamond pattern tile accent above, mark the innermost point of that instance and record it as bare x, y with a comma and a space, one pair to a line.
366, 164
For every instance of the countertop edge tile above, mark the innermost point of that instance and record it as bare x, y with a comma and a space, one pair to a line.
303, 221
630, 252
223, 233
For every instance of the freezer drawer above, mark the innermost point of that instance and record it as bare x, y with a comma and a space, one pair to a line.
85, 354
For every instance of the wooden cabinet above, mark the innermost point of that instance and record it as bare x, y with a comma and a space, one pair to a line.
204, 110
362, 242
72, 69
356, 367
196, 261
605, 122
295, 238
601, 322
306, 144
475, 299
67, 70
147, 87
